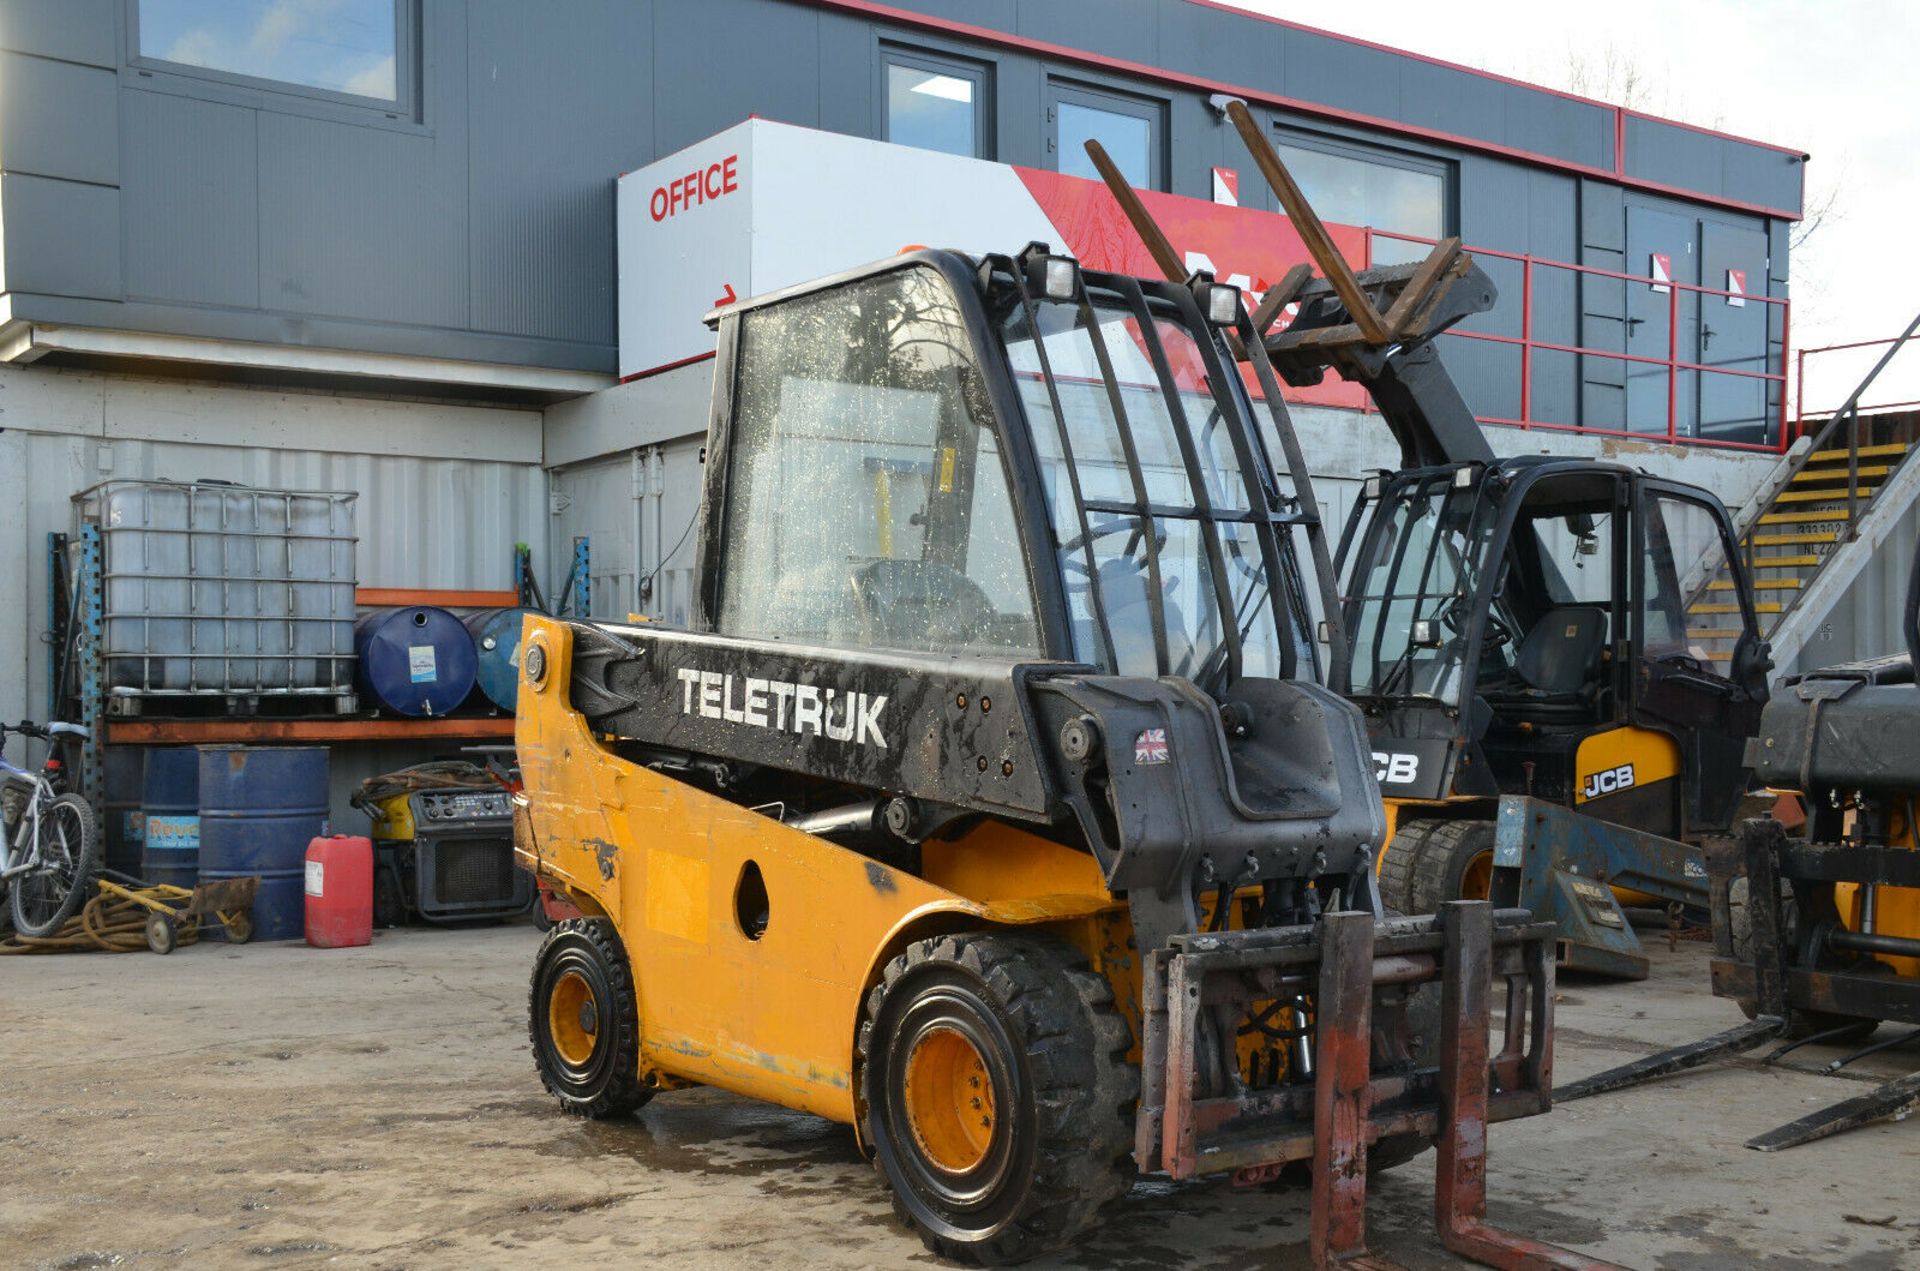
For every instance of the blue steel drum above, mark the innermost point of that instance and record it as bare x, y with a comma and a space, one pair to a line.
259, 808
417, 661
125, 828
496, 645
170, 813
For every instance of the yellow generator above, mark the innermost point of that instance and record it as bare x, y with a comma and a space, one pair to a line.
993, 801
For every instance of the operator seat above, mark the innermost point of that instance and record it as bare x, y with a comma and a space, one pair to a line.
1558, 666
1124, 584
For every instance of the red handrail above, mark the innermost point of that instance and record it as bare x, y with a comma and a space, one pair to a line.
1527, 344
1800, 378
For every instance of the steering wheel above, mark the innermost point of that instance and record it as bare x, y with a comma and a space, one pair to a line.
1498, 633
1074, 550
914, 600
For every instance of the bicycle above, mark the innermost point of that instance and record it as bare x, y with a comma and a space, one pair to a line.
50, 853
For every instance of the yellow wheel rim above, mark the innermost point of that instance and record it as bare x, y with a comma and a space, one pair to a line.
1477, 882
573, 1018
949, 1100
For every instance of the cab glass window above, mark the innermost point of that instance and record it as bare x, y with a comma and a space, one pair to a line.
868, 505
1689, 607
1114, 555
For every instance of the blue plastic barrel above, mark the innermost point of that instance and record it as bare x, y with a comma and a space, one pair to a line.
496, 647
259, 808
125, 828
170, 812
416, 661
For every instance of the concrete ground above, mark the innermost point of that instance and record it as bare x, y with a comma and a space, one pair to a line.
275, 1106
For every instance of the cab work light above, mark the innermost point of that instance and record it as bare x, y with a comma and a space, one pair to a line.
1222, 304
1053, 277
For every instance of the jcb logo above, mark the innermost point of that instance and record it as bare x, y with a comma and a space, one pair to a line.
1608, 781
1392, 769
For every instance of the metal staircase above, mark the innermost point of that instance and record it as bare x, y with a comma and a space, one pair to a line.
1817, 523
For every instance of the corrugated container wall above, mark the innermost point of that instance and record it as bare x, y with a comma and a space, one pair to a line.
445, 491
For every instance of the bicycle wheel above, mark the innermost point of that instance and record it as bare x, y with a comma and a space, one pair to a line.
45, 897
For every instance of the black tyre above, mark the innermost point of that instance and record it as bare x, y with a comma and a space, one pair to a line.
997, 1094
1799, 1023
584, 1021
44, 898
1431, 862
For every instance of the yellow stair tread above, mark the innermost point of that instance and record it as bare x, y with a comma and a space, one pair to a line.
1787, 562
1824, 496
1785, 540
1763, 606
1801, 518
1840, 474
1717, 633
1840, 456
1759, 584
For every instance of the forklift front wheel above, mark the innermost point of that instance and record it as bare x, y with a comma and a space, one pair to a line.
584, 1020
1002, 1131
1432, 861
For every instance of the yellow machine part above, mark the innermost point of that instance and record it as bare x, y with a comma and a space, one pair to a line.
769, 1013
1896, 909
393, 819
1649, 755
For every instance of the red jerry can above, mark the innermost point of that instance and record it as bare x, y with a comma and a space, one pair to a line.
339, 891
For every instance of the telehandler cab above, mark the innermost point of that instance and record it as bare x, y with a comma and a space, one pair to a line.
1557, 658
996, 801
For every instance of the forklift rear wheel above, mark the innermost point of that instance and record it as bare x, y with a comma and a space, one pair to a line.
1430, 862
997, 1094
584, 1020
1800, 1024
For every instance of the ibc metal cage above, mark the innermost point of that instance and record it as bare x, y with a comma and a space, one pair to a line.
217, 590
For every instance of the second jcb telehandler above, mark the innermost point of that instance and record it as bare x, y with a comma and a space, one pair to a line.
994, 801
1557, 657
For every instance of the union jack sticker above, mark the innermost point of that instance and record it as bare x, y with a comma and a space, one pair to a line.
1150, 746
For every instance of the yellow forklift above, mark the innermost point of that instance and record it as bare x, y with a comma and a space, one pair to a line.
995, 801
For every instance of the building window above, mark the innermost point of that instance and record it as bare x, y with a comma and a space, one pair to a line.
936, 103
1132, 130
1353, 184
355, 50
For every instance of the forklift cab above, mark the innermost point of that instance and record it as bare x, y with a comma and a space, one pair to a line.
1560, 628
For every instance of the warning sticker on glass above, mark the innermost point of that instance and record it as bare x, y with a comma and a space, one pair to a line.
420, 663
316, 878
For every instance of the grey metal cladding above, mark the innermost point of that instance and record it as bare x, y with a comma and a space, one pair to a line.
1439, 97
1332, 72
59, 119
1127, 29
85, 31
1725, 167
63, 237
191, 197
1223, 45
362, 222
561, 105
1546, 123
722, 60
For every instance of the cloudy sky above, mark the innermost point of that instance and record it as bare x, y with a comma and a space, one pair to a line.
1833, 78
